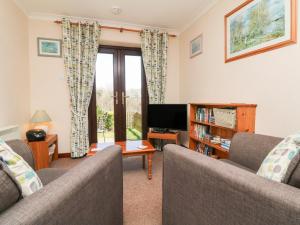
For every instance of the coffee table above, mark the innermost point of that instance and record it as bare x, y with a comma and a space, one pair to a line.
129, 148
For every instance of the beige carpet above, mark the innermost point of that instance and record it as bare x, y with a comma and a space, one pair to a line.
142, 197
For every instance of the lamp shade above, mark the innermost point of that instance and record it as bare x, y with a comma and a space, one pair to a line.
40, 116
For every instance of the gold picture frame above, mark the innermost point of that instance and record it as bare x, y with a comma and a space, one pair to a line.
269, 28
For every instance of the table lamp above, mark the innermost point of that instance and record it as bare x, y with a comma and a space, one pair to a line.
41, 116
39, 132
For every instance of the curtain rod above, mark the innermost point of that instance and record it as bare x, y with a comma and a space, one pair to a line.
121, 29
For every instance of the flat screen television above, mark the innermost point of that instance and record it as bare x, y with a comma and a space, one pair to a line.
167, 116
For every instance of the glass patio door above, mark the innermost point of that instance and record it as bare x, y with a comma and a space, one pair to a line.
121, 95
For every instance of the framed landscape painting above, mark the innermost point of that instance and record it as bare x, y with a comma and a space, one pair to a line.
258, 26
196, 46
49, 47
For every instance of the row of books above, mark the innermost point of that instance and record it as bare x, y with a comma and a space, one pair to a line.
201, 131
225, 143
205, 115
204, 149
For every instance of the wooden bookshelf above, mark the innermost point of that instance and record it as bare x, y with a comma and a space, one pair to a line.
212, 125
245, 122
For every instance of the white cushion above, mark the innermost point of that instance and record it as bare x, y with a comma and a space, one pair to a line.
24, 175
281, 162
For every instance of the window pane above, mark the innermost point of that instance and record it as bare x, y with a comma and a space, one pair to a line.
105, 101
133, 84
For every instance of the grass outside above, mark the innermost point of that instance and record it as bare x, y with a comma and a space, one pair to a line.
131, 133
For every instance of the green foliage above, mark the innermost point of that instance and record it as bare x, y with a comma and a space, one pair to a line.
133, 134
104, 119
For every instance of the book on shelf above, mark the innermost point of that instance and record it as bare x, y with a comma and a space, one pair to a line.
200, 131
205, 115
225, 143
208, 151
204, 149
199, 148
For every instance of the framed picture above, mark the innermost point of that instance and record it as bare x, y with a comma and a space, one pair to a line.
258, 26
196, 46
49, 47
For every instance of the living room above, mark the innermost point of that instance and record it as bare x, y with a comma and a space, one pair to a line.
87, 77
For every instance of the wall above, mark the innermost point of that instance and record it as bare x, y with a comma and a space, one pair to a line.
270, 79
14, 72
48, 85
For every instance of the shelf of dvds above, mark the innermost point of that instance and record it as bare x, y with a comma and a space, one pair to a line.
211, 137
216, 146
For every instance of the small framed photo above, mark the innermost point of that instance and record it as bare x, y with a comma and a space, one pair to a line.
196, 47
49, 47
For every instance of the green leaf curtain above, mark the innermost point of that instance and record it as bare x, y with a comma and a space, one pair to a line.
154, 51
80, 48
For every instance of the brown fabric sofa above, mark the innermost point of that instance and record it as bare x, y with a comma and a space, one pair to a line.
89, 193
198, 190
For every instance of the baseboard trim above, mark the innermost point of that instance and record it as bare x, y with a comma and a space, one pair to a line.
64, 155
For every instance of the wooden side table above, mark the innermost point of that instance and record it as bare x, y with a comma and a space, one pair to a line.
130, 148
164, 136
40, 150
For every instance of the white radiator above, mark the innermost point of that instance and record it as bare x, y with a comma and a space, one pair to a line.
10, 133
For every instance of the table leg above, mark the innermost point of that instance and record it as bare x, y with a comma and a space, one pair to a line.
150, 166
144, 161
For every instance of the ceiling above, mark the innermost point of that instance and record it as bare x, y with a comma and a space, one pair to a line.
170, 14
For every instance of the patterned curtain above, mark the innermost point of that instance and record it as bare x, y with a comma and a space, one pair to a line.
154, 51
80, 48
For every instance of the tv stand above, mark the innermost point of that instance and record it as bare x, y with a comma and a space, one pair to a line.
164, 136
159, 130
163, 131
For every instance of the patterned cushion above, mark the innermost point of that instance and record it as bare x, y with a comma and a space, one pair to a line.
24, 175
281, 162
9, 191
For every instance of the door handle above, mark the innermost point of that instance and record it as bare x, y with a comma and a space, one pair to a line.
124, 98
116, 98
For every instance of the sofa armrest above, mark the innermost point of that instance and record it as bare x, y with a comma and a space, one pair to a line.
198, 190
22, 149
250, 150
89, 193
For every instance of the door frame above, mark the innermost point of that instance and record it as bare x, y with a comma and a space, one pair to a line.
119, 84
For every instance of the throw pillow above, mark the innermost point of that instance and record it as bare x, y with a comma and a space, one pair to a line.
281, 162
25, 176
9, 191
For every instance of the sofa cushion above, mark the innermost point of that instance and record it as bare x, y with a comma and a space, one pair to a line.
281, 162
295, 178
250, 150
23, 150
25, 176
237, 165
50, 174
9, 191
